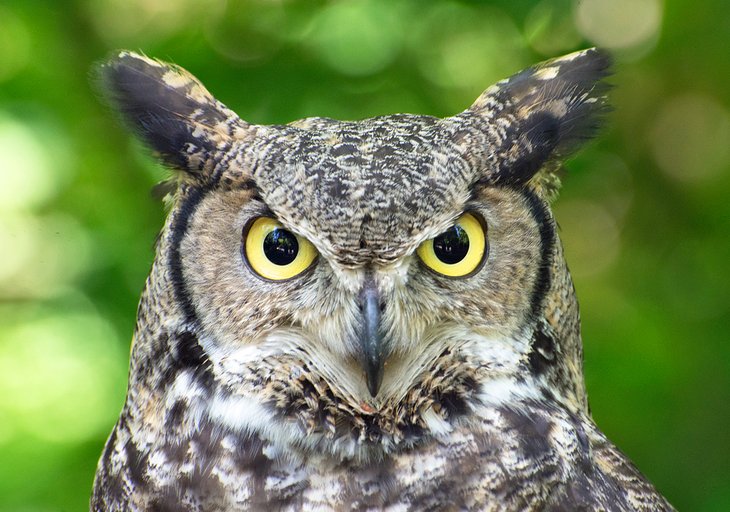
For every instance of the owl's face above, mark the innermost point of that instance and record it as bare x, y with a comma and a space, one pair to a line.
288, 266
400, 266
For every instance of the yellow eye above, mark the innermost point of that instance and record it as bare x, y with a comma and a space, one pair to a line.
458, 251
274, 252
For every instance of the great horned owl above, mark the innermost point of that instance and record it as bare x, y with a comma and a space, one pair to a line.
370, 315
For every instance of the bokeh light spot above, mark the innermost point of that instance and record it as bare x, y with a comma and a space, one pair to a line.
590, 235
689, 138
58, 373
357, 37
619, 24
607, 178
47, 255
30, 175
251, 30
548, 30
15, 44
121, 22
468, 48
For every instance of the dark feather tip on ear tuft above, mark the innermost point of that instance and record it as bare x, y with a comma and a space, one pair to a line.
545, 113
167, 107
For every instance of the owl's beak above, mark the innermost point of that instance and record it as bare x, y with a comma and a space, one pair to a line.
371, 339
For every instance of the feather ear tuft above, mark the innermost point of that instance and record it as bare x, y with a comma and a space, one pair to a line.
170, 110
534, 119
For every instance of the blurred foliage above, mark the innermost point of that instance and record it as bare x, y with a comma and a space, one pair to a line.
644, 211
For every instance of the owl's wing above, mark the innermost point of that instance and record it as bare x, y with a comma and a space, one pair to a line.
611, 482
553, 459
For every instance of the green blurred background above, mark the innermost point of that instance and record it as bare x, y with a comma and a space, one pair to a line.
644, 210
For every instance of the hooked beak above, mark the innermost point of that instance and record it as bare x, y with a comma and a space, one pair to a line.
371, 340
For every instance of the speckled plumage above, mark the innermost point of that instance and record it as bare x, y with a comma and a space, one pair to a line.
248, 394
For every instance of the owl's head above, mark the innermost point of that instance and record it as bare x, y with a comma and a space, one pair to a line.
401, 265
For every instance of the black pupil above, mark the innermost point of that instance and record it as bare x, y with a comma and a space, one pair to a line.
451, 246
281, 247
